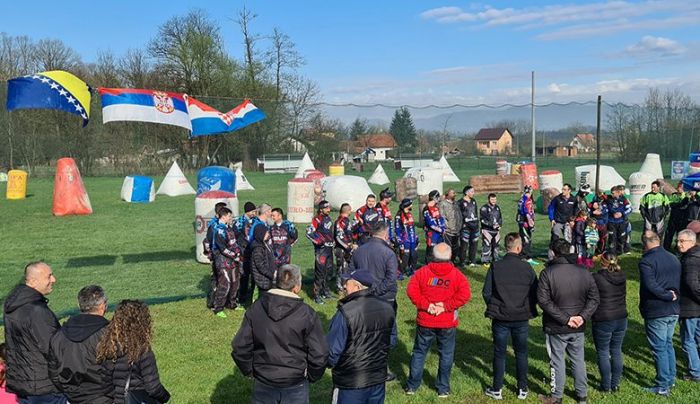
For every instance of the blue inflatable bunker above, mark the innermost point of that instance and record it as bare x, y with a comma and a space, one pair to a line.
216, 178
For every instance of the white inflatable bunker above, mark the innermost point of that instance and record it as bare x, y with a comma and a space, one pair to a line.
652, 165
204, 211
448, 175
427, 178
640, 184
585, 175
306, 164
175, 183
379, 176
342, 189
242, 183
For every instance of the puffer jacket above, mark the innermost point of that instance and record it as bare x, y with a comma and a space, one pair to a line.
690, 283
142, 376
262, 260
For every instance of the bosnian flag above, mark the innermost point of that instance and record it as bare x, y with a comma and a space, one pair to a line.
208, 121
128, 104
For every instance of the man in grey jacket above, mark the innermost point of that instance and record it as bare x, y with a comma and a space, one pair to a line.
453, 221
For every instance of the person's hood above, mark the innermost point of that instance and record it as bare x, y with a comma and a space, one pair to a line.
259, 233
616, 278
440, 268
22, 295
83, 326
279, 304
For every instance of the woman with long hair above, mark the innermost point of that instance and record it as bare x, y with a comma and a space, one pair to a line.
610, 321
128, 362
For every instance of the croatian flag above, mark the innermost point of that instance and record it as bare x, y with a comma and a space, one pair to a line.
128, 104
209, 121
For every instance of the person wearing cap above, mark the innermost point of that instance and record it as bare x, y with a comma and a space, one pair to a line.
526, 223
470, 227
560, 209
365, 217
654, 207
437, 290
359, 340
491, 222
280, 343
678, 216
320, 232
453, 221
344, 243
242, 226
434, 224
406, 238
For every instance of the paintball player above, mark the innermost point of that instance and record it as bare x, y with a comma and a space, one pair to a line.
433, 223
470, 227
283, 234
365, 218
320, 232
406, 238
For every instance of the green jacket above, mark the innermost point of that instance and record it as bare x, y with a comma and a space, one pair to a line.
654, 207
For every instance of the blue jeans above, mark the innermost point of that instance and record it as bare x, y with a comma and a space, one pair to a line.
660, 336
45, 399
264, 394
690, 338
518, 331
369, 395
608, 337
446, 349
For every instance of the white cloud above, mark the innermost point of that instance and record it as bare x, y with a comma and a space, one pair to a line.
651, 46
576, 20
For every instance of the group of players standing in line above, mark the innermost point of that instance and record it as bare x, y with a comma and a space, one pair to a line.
246, 251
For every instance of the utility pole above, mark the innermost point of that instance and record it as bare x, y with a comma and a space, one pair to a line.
597, 150
532, 117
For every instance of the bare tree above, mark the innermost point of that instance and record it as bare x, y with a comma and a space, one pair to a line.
53, 54
135, 69
245, 18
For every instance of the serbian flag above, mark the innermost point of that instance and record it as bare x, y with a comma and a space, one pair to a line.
128, 104
50, 90
209, 121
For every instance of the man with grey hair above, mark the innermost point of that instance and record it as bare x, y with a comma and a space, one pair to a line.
281, 343
437, 290
72, 365
263, 217
690, 301
659, 289
29, 326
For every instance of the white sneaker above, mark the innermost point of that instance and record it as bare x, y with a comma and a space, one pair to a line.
522, 394
495, 394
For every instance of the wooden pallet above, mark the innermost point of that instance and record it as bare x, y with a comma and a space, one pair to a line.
509, 183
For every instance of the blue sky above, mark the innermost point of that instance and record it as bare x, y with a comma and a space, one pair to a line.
425, 52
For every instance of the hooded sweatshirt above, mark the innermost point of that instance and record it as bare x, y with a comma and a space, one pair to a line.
72, 365
280, 342
29, 326
434, 283
262, 260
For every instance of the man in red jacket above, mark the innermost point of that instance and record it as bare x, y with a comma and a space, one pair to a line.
438, 290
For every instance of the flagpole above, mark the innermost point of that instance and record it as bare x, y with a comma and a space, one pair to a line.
532, 117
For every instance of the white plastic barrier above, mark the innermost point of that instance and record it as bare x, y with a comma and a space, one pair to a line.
427, 178
345, 189
652, 165
300, 200
640, 184
585, 175
551, 179
203, 212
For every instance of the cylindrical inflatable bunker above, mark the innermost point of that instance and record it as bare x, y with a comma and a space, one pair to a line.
640, 184
336, 169
69, 194
16, 184
300, 200
346, 189
502, 167
693, 168
216, 178
138, 189
551, 179
203, 213
694, 157
528, 172
427, 179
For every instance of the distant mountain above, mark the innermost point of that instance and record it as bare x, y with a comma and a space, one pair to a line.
471, 120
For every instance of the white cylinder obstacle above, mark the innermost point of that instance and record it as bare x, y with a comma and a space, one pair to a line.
300, 200
203, 213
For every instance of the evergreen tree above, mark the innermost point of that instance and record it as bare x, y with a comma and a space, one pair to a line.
403, 130
358, 128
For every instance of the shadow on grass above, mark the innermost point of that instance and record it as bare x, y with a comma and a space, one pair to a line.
157, 256
94, 261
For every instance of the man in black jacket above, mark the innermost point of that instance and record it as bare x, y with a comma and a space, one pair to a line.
690, 301
568, 296
510, 293
72, 365
560, 209
281, 343
659, 289
29, 326
359, 339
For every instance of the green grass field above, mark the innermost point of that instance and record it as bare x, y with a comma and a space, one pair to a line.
147, 252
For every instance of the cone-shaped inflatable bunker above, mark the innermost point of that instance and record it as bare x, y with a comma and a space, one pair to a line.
69, 195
